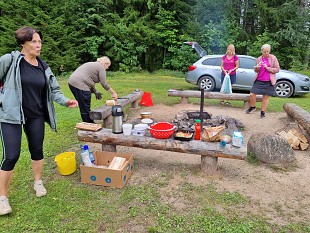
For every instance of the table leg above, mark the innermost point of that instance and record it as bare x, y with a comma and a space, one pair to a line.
109, 148
208, 164
107, 122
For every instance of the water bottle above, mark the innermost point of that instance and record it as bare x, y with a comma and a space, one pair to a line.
90, 154
85, 155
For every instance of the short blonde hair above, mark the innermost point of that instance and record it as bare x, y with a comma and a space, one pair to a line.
104, 60
232, 49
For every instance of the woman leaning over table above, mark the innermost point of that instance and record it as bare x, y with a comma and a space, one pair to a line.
82, 84
26, 101
267, 66
229, 65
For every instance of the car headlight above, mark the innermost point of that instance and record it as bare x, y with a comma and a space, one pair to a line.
303, 77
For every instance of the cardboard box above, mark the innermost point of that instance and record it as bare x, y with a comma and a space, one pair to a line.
105, 176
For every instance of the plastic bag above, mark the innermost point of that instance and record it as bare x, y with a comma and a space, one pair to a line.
237, 139
226, 85
212, 134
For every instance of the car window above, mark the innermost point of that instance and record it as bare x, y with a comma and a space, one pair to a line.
212, 61
246, 63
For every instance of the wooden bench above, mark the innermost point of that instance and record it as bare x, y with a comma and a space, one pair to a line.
104, 113
298, 114
209, 151
213, 95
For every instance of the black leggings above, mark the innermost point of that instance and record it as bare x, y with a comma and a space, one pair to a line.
11, 137
84, 100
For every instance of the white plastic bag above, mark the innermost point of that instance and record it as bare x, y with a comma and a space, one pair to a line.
237, 139
226, 85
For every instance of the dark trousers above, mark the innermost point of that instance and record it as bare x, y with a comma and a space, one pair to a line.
11, 137
233, 78
84, 100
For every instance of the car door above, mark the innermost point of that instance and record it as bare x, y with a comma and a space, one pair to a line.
245, 73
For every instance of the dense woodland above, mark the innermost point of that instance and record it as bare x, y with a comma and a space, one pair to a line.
149, 34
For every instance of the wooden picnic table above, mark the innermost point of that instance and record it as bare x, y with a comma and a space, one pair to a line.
209, 151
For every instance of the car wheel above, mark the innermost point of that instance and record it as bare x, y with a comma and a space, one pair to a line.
207, 83
284, 89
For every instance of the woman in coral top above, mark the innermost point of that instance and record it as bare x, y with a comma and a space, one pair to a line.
267, 66
230, 63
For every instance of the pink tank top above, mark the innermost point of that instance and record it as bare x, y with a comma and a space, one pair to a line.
230, 64
263, 74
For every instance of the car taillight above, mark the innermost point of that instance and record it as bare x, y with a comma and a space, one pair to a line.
191, 68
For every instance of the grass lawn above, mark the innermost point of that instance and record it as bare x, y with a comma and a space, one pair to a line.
74, 207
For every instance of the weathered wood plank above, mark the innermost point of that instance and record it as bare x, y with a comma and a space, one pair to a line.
106, 137
212, 95
105, 111
298, 114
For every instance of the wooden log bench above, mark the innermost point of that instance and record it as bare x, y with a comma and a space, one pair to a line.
104, 113
185, 94
298, 114
209, 151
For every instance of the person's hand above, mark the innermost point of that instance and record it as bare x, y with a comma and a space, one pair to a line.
114, 96
98, 95
72, 103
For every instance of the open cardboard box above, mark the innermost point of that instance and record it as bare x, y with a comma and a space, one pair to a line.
105, 176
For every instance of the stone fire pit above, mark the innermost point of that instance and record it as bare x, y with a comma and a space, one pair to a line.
185, 120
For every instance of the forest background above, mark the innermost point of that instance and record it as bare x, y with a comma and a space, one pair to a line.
150, 35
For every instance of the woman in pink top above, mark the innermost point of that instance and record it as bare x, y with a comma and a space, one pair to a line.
230, 63
266, 68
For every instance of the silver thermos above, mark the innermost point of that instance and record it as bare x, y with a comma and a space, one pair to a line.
117, 115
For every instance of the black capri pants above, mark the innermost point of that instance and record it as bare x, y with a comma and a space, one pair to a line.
11, 138
84, 100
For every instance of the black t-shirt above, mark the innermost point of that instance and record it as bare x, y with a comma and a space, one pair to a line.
33, 83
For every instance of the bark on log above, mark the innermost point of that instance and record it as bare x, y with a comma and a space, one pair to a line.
105, 111
298, 114
106, 137
213, 95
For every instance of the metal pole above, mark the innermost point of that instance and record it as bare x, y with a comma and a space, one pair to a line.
202, 98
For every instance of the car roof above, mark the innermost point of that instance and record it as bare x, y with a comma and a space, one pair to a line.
221, 55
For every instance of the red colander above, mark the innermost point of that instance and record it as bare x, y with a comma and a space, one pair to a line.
162, 130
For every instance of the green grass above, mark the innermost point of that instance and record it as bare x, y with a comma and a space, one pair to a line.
74, 207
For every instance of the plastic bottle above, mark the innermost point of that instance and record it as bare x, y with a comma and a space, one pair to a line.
197, 129
90, 154
85, 155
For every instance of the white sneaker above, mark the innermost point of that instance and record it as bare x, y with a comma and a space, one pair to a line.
5, 207
39, 188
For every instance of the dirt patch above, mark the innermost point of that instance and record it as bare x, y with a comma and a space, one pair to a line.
283, 196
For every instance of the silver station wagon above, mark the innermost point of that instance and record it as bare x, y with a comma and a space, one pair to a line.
206, 73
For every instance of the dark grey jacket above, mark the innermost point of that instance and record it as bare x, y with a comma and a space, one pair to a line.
11, 92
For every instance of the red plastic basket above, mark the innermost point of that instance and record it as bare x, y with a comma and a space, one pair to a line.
162, 130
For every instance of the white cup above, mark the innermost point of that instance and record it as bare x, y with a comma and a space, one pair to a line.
127, 129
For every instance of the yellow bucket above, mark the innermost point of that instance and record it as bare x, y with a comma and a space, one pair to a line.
66, 163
